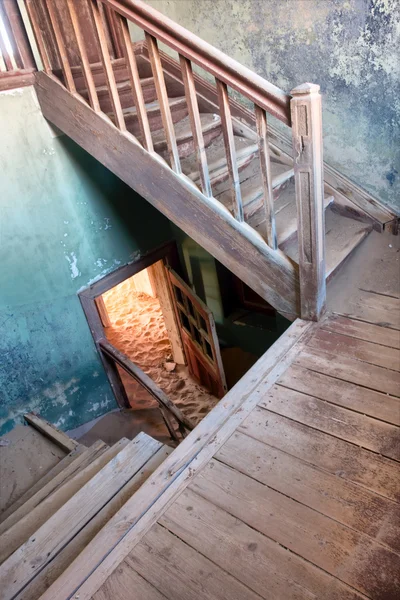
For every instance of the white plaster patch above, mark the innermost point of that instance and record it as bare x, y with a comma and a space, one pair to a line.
72, 259
100, 262
48, 151
107, 223
57, 393
15, 92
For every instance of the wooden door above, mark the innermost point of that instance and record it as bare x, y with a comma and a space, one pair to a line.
199, 336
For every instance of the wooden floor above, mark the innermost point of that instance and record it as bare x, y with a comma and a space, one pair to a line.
295, 495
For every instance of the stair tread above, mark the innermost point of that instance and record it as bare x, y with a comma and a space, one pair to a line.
183, 130
124, 85
342, 236
62, 526
68, 554
131, 111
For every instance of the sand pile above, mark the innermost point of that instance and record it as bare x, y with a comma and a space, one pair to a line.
138, 330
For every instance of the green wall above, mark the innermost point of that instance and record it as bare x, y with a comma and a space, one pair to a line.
349, 47
65, 221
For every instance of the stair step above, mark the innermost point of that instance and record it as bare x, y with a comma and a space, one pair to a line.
46, 503
68, 554
125, 94
177, 106
51, 537
211, 128
342, 236
71, 464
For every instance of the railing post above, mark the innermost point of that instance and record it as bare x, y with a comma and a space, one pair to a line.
306, 115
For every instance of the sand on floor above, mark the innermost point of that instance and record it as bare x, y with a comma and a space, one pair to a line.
138, 330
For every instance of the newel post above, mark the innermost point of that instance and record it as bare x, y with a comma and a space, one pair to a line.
306, 115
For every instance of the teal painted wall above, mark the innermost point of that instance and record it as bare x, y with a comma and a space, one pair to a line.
65, 221
349, 47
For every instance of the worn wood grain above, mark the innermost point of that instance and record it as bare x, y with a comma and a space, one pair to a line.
253, 558
335, 455
354, 558
122, 582
42, 507
269, 273
182, 573
362, 400
347, 346
330, 495
363, 331
342, 423
377, 309
266, 176
51, 482
108, 548
21, 567
61, 47
349, 369
57, 566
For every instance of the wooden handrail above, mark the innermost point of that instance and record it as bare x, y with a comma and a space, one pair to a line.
187, 44
124, 361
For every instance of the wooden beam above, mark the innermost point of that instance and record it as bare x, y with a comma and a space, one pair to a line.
309, 182
269, 273
55, 435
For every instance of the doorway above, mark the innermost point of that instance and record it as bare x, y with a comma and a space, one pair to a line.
148, 313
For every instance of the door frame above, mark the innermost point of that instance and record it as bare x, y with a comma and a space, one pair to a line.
168, 253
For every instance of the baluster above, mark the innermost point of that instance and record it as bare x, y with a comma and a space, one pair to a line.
33, 17
162, 96
308, 171
266, 176
107, 66
229, 140
5, 55
135, 84
62, 51
87, 71
195, 122
21, 49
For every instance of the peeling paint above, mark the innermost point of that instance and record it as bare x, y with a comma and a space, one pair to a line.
72, 259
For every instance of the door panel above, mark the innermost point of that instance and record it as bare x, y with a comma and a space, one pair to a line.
199, 336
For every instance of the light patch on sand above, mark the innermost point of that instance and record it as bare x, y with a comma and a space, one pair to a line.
139, 331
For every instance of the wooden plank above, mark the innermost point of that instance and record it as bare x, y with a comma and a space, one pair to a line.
336, 456
57, 566
44, 505
163, 100
363, 331
86, 69
60, 474
122, 582
57, 436
346, 346
309, 175
195, 122
160, 283
102, 310
22, 566
354, 558
39, 38
348, 369
230, 150
109, 547
268, 273
49, 476
253, 558
266, 176
61, 48
17, 35
145, 381
136, 85
108, 67
365, 401
337, 421
180, 572
377, 309
328, 494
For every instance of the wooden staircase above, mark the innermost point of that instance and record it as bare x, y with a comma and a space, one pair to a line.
251, 195
43, 532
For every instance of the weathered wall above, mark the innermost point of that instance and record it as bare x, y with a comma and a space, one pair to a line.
350, 47
65, 220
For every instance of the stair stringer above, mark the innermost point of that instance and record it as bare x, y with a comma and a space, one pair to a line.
268, 272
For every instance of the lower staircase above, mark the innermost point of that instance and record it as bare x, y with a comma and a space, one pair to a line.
43, 532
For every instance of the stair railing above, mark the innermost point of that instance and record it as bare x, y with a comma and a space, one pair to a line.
300, 110
17, 64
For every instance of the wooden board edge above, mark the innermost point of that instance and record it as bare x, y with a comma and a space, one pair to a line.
57, 436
